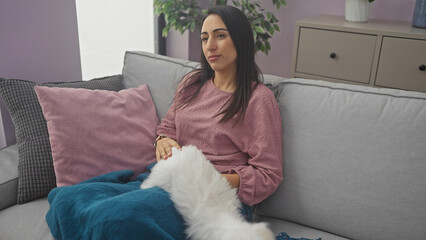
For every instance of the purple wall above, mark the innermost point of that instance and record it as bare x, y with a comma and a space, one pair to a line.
39, 43
278, 61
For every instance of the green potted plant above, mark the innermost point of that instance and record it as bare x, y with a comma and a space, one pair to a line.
357, 10
184, 15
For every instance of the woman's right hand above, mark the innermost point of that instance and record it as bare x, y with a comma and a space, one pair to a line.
164, 148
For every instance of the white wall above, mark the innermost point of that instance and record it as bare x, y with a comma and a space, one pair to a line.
108, 28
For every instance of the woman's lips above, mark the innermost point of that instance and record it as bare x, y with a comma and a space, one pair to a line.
213, 58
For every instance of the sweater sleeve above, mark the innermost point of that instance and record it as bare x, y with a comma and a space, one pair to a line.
261, 177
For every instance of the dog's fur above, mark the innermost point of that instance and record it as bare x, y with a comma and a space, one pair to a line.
204, 198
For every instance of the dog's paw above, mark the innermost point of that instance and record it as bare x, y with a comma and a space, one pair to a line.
145, 185
160, 176
261, 232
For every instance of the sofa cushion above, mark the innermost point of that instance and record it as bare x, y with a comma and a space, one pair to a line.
273, 82
297, 231
36, 174
26, 221
8, 176
162, 75
93, 132
354, 160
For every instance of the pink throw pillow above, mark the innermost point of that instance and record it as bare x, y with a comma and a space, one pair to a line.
93, 132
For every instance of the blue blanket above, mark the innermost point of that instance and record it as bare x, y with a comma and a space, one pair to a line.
111, 206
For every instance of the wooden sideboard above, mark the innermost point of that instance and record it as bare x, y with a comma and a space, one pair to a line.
378, 53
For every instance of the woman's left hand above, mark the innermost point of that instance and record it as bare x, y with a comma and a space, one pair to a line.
164, 148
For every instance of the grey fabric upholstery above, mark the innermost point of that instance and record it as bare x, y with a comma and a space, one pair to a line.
162, 74
8, 176
35, 170
296, 230
26, 221
354, 160
271, 80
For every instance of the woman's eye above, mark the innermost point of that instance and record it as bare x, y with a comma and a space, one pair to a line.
204, 39
221, 35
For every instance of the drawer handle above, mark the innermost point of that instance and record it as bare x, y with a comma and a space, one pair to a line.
422, 67
333, 55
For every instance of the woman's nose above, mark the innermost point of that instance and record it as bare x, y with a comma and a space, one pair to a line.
211, 44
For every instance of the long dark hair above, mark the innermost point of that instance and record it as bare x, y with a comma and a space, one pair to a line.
248, 72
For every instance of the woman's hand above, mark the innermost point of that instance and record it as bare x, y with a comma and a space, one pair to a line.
164, 148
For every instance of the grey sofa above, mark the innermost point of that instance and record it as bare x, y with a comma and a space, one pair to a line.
354, 159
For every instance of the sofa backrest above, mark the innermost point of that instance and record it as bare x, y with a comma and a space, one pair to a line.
354, 160
162, 75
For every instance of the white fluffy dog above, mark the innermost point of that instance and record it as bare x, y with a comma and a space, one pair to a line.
204, 198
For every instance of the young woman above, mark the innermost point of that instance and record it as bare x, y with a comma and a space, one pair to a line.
226, 112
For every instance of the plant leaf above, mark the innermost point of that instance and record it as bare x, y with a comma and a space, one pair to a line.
277, 28
259, 29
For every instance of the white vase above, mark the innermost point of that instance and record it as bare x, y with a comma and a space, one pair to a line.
357, 10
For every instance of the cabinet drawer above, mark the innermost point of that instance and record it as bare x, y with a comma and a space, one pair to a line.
353, 52
399, 64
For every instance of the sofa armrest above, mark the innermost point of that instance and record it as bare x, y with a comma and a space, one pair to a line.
9, 159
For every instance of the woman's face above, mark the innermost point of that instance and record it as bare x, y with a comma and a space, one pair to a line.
218, 47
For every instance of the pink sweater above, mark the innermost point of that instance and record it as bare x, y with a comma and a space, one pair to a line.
252, 149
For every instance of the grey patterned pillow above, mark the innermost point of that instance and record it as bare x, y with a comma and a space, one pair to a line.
36, 176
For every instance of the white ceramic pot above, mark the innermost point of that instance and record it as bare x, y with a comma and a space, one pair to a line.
357, 10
